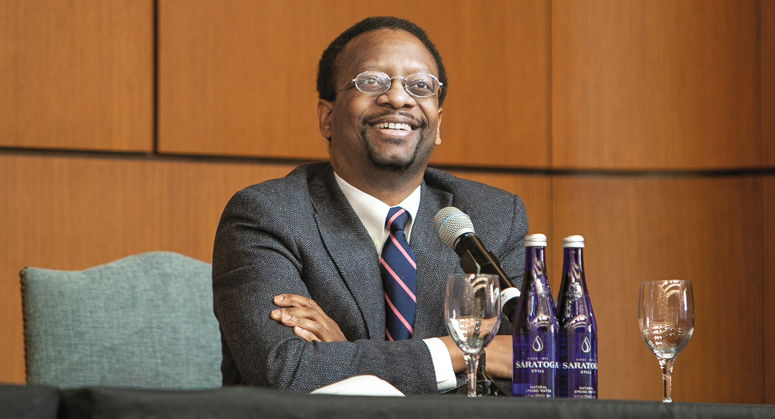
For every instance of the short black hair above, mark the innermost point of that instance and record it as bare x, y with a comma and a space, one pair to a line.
327, 63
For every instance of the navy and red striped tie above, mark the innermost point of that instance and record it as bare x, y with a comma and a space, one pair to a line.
399, 277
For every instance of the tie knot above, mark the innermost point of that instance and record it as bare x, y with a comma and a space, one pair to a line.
396, 219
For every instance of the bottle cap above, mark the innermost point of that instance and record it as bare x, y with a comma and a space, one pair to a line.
535, 240
573, 242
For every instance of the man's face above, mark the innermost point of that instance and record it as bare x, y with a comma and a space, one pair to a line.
362, 144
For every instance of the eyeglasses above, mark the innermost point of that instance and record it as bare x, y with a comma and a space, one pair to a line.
376, 83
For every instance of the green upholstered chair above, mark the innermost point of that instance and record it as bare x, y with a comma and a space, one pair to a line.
143, 321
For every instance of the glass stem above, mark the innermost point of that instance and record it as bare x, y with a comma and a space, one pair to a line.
667, 379
472, 362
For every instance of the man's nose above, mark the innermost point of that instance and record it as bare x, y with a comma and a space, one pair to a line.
397, 96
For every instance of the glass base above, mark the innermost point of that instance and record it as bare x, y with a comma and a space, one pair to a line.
485, 387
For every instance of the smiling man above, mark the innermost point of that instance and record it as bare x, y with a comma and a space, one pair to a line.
381, 135
336, 269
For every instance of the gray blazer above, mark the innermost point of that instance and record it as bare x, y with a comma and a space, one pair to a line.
299, 235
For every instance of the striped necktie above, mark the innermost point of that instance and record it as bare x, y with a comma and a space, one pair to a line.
399, 277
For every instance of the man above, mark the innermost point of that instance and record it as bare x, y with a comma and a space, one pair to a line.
303, 296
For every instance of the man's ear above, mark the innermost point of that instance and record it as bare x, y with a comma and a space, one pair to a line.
325, 108
438, 129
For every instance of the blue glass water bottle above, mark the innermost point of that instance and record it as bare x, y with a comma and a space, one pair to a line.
578, 330
535, 328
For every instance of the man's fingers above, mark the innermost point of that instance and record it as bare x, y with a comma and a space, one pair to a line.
301, 318
292, 300
308, 329
304, 334
313, 328
297, 311
283, 316
315, 314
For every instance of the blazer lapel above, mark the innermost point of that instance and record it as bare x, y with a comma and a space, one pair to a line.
434, 261
350, 248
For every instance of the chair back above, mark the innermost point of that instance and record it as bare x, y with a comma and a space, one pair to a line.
143, 321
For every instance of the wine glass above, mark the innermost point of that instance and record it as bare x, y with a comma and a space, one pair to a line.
666, 317
471, 311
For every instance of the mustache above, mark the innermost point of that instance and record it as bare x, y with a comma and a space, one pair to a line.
421, 123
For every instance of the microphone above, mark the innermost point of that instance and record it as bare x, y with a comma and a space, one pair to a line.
456, 230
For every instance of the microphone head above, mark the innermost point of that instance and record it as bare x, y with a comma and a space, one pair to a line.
452, 223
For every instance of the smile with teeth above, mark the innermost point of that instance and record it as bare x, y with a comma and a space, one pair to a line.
392, 125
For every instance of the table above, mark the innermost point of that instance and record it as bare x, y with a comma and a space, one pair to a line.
246, 402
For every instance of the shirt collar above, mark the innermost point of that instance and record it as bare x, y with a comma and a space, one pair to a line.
372, 212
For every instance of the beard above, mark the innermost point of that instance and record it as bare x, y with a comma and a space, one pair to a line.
421, 151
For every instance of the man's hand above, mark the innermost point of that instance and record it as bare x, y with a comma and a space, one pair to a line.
499, 354
307, 319
499, 357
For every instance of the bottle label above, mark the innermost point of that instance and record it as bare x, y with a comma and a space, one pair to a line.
535, 365
578, 365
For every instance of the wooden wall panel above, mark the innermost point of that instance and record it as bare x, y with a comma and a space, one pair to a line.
768, 81
496, 55
768, 279
73, 213
238, 78
768, 188
77, 75
535, 191
654, 84
702, 229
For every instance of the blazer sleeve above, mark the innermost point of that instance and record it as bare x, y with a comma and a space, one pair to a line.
513, 258
258, 254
